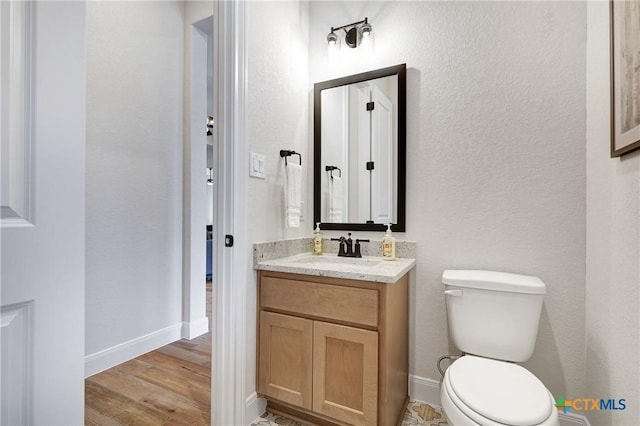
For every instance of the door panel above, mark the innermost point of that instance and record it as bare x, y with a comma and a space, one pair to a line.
345, 367
286, 358
376, 144
43, 215
321, 300
15, 333
344, 372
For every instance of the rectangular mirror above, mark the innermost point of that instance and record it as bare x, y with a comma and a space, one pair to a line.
360, 151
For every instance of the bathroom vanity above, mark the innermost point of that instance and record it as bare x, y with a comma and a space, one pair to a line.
333, 339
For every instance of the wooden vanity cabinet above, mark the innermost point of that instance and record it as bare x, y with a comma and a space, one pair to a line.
333, 351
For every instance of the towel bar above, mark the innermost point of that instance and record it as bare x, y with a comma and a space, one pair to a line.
331, 169
286, 153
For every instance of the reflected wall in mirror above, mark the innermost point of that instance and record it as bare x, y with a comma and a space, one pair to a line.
359, 151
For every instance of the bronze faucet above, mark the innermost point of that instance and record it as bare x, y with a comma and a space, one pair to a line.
346, 248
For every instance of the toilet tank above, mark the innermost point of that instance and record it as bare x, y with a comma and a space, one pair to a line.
493, 314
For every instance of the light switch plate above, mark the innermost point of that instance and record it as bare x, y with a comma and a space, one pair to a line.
256, 165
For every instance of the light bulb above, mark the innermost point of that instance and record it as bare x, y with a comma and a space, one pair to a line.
333, 48
366, 43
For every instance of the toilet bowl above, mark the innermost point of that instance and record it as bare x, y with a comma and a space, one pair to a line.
482, 391
493, 318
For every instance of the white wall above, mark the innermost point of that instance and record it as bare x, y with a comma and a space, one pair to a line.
613, 244
335, 131
278, 118
134, 170
495, 155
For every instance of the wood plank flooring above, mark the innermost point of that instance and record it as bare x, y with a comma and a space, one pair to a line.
168, 386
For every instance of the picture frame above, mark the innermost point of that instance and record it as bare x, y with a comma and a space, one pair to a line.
625, 76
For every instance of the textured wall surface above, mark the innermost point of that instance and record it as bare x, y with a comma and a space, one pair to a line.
134, 170
277, 118
495, 155
613, 244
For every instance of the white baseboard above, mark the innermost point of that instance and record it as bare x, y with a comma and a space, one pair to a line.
123, 352
428, 390
425, 390
193, 329
255, 407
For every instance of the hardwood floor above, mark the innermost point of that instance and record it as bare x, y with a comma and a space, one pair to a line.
168, 386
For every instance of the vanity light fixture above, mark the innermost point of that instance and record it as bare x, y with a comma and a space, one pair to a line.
333, 48
356, 34
366, 42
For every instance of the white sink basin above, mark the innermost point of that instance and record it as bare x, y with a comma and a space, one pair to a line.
335, 260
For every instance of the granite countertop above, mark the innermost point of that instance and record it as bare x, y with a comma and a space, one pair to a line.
367, 268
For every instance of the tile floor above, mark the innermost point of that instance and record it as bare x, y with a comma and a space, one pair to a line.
416, 414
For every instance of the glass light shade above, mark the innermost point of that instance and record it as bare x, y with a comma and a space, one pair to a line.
366, 43
333, 50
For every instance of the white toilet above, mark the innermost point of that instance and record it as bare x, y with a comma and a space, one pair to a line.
493, 318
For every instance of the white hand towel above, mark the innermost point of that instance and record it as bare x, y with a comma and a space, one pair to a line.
335, 200
293, 195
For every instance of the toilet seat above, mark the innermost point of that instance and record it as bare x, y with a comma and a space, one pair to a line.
488, 391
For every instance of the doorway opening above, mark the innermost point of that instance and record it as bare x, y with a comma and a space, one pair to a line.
172, 382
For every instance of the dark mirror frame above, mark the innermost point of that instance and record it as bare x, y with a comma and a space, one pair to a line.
401, 72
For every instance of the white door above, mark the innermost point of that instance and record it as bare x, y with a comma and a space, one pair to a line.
382, 177
42, 212
375, 147
362, 179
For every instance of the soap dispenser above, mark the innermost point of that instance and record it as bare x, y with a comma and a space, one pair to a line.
389, 245
318, 249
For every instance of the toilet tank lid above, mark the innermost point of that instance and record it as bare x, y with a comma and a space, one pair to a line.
491, 280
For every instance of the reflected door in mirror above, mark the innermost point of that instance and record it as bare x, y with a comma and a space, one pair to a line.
359, 152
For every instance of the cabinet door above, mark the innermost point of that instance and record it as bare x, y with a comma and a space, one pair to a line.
345, 373
286, 358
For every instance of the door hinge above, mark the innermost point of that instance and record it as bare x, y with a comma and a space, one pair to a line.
210, 123
228, 240
370, 106
370, 165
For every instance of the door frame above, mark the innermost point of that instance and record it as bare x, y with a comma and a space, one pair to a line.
231, 264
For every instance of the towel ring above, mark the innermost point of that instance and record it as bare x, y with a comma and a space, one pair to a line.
331, 169
287, 153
